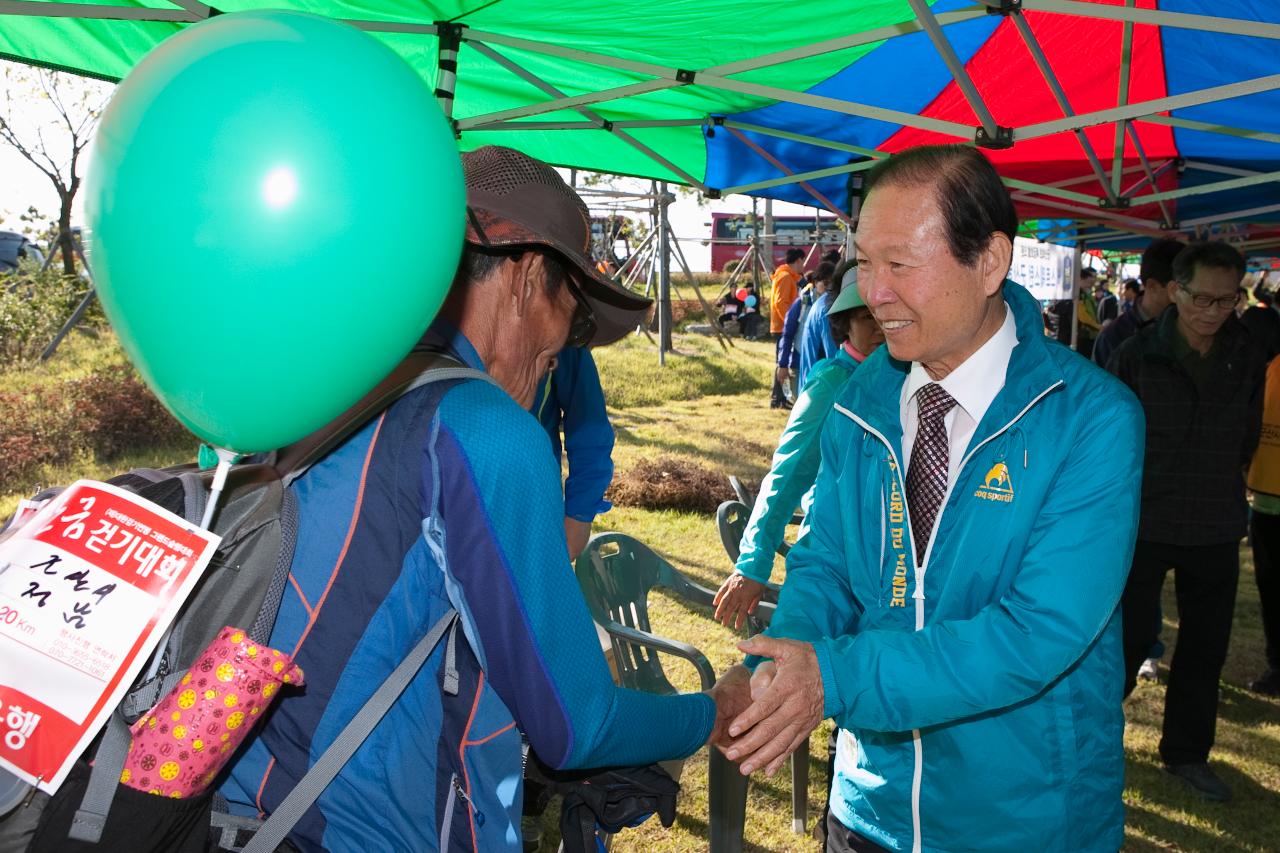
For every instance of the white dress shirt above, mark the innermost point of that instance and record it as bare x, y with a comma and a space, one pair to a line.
973, 385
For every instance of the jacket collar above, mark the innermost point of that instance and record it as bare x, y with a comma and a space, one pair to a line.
1034, 367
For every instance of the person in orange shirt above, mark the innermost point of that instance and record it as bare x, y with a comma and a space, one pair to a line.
786, 280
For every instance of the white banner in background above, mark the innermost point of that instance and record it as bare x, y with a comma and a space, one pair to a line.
1046, 269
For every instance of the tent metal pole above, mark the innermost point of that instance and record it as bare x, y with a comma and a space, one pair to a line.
1156, 17
842, 43
1044, 189
836, 105
450, 36
593, 125
480, 122
1205, 189
801, 178
710, 313
199, 10
800, 137
1235, 214
804, 185
533, 79
1151, 175
1060, 95
1149, 179
1091, 214
1122, 98
649, 69
90, 11
1147, 108
1189, 124
1084, 179
954, 65
672, 77
1222, 170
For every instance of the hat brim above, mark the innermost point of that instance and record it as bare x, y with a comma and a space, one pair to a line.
617, 310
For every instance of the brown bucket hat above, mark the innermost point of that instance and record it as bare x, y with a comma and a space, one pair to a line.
514, 200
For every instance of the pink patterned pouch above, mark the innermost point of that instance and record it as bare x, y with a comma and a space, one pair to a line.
182, 743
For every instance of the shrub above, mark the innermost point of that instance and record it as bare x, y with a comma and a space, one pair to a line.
33, 306
670, 483
101, 415
34, 430
119, 413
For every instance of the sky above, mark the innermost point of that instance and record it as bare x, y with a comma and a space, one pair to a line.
22, 185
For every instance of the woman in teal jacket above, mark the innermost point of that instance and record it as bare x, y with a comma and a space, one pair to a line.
789, 482
979, 693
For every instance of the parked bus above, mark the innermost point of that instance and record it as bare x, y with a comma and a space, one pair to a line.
731, 235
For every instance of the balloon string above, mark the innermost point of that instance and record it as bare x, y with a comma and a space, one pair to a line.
225, 458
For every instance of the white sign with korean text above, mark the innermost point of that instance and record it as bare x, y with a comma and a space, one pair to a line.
88, 585
1046, 269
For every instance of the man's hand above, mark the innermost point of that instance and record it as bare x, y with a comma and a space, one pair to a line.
576, 533
783, 375
733, 696
787, 706
737, 597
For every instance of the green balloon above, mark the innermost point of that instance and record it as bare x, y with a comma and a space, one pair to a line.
276, 209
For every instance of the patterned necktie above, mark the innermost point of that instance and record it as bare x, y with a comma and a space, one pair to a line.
927, 472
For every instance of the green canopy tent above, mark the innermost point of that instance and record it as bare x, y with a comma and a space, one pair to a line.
1085, 118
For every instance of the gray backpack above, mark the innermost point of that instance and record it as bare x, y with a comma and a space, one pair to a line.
257, 519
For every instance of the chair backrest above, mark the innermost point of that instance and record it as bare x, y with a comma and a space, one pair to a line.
616, 572
731, 521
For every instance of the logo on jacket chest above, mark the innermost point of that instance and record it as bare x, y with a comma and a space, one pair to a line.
996, 485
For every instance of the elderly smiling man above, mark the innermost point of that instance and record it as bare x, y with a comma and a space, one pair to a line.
954, 604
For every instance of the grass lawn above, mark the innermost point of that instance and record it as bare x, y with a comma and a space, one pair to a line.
712, 408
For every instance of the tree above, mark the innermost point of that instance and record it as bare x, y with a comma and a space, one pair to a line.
49, 117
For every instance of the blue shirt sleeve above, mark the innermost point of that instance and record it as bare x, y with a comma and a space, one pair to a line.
572, 401
813, 342
588, 435
788, 354
507, 557
792, 474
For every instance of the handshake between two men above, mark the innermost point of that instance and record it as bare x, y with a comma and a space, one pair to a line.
762, 717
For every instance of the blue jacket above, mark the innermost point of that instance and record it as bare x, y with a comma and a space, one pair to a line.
816, 342
978, 693
789, 482
571, 400
788, 353
450, 498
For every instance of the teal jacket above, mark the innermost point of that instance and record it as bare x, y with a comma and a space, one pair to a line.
980, 691
794, 468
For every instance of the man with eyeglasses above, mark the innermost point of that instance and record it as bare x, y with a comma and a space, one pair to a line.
451, 498
1200, 380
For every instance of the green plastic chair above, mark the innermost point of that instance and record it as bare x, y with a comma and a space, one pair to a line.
731, 521
616, 573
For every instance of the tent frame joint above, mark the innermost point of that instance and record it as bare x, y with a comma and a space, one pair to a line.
1004, 8
1120, 202
1002, 139
450, 34
685, 75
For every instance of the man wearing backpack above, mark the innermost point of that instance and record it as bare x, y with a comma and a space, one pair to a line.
451, 499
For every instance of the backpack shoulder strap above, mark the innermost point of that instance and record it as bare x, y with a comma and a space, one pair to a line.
419, 368
312, 785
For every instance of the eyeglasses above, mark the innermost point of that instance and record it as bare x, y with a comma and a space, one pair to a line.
582, 328
1201, 301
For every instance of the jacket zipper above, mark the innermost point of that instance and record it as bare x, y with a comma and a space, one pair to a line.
918, 593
